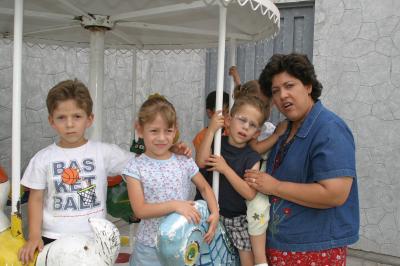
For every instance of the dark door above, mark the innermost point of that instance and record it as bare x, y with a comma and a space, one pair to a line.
296, 35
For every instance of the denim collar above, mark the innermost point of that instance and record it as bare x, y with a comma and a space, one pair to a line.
310, 119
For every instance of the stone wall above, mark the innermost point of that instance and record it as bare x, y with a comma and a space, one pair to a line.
180, 76
357, 58
128, 80
5, 104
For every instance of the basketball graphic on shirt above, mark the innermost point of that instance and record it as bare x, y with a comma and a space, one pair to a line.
70, 176
88, 194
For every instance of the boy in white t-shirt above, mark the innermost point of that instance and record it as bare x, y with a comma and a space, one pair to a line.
68, 179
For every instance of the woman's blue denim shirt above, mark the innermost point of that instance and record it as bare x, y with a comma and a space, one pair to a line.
323, 148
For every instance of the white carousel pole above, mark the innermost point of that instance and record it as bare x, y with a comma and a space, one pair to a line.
97, 25
16, 105
220, 88
96, 79
232, 62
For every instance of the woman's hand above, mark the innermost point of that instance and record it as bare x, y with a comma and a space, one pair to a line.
27, 253
213, 221
188, 210
261, 181
217, 163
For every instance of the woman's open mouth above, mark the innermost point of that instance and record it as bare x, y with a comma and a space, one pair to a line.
287, 105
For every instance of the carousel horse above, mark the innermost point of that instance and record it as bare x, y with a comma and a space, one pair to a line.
180, 243
4, 189
118, 204
11, 237
102, 250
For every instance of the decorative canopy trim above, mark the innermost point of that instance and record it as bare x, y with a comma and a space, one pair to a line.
266, 7
108, 51
175, 25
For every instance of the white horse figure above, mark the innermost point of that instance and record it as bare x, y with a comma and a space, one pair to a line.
80, 250
77, 250
4, 189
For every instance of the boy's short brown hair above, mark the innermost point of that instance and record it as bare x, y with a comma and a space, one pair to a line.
252, 101
69, 90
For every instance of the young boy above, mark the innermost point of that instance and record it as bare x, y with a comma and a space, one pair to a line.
68, 179
210, 110
246, 117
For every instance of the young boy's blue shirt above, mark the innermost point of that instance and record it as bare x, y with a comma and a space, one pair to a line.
231, 203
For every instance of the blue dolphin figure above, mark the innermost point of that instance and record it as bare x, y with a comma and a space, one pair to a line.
180, 243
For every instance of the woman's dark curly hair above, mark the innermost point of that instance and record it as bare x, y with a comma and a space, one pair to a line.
296, 65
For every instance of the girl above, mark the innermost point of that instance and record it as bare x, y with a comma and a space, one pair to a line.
159, 181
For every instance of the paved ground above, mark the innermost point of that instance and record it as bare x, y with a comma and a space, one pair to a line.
360, 262
125, 231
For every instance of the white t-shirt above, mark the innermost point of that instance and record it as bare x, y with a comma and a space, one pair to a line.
67, 207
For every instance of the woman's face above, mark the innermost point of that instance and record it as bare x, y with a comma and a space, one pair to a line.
291, 96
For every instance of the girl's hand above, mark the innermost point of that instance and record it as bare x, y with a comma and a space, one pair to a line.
27, 253
217, 121
213, 221
261, 181
216, 163
188, 210
181, 148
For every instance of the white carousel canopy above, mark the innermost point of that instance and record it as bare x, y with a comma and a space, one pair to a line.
155, 24
152, 24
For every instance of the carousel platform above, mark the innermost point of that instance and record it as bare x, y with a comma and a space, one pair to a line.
126, 230
354, 258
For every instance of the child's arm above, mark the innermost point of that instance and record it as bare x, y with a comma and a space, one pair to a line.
217, 163
181, 148
35, 217
208, 194
144, 210
235, 75
266, 144
204, 152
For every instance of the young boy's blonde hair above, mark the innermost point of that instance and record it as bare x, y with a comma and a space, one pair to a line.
252, 101
253, 88
69, 90
249, 88
157, 105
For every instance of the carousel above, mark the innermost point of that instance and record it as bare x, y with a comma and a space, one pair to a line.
139, 25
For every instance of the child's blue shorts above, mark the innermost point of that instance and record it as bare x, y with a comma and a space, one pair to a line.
144, 256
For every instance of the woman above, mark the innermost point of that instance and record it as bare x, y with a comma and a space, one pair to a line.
311, 174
